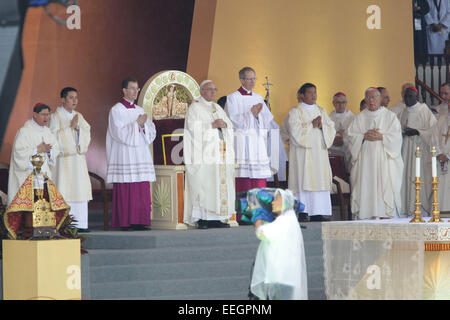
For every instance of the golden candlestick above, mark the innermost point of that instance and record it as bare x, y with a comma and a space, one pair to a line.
417, 182
436, 213
417, 212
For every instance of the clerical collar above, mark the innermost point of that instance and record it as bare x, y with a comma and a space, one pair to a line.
37, 124
244, 91
211, 103
413, 107
127, 104
308, 106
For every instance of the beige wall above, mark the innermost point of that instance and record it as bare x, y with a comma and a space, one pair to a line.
325, 42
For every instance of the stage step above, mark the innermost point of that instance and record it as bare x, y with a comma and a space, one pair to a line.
211, 264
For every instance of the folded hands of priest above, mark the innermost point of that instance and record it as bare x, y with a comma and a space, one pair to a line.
411, 132
373, 135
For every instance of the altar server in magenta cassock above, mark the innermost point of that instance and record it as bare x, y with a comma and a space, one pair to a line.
71, 174
312, 133
251, 120
35, 137
375, 138
417, 123
130, 165
209, 158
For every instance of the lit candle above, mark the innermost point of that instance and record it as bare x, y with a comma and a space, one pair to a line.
433, 162
417, 162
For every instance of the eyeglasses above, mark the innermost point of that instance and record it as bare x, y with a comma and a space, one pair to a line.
134, 89
251, 79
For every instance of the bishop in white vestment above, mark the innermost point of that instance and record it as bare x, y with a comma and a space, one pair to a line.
130, 164
33, 138
312, 133
375, 138
209, 158
342, 118
70, 174
417, 122
441, 139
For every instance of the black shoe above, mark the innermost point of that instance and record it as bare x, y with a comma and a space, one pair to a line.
245, 223
302, 217
217, 224
202, 224
126, 229
319, 218
140, 227
84, 230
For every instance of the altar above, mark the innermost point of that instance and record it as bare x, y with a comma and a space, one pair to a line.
389, 259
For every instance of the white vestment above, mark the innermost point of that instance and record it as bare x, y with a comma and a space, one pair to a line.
417, 117
310, 174
251, 135
441, 109
276, 152
285, 132
70, 174
377, 166
398, 108
436, 40
441, 139
209, 158
341, 123
25, 145
128, 146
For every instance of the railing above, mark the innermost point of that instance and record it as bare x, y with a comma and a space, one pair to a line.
432, 70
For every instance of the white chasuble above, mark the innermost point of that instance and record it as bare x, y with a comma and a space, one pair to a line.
251, 134
128, 146
417, 117
25, 145
441, 139
209, 159
377, 166
310, 174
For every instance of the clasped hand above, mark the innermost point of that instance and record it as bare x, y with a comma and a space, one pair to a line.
256, 109
317, 122
411, 132
373, 135
142, 119
44, 147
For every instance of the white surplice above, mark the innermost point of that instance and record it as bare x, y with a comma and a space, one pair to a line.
377, 166
441, 139
341, 123
417, 117
310, 174
70, 174
209, 158
251, 134
436, 40
25, 145
128, 146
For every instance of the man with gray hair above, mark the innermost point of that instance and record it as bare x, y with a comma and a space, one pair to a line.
209, 157
251, 120
342, 118
375, 138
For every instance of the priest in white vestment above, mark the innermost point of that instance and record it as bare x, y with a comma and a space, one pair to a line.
438, 24
35, 137
400, 106
209, 196
312, 134
70, 174
375, 138
444, 93
385, 97
342, 118
441, 139
251, 120
130, 164
417, 122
